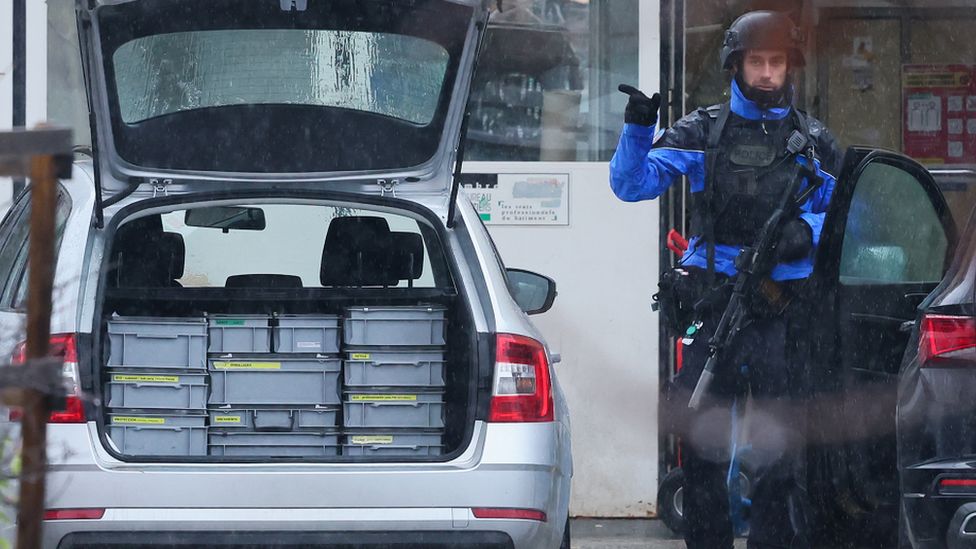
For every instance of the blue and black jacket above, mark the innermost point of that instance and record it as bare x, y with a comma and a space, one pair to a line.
643, 167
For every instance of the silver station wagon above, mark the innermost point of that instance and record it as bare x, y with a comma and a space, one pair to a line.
281, 324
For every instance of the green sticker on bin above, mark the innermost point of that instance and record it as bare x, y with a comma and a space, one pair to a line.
374, 439
228, 322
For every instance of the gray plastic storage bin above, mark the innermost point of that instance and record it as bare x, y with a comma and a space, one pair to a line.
393, 444
239, 334
307, 334
157, 390
146, 342
138, 434
239, 443
284, 381
382, 326
281, 419
394, 410
394, 368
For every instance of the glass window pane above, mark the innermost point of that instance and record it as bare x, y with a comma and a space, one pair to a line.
546, 87
67, 104
893, 233
22, 266
293, 245
392, 75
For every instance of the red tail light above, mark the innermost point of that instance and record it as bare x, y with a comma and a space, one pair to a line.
73, 514
957, 486
941, 335
518, 514
65, 347
522, 389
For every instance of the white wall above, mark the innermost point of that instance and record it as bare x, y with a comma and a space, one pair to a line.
605, 267
605, 263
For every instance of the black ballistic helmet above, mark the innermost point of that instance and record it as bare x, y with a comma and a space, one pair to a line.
762, 30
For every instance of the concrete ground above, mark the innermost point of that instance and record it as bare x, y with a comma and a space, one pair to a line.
626, 534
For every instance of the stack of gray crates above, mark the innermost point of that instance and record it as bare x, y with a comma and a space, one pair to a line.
393, 377
274, 386
156, 392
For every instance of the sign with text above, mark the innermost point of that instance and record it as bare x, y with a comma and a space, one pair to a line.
939, 113
519, 199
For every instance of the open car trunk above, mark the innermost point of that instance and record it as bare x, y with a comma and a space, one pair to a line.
272, 330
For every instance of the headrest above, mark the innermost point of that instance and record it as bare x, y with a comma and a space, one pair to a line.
357, 253
173, 252
263, 281
408, 255
146, 257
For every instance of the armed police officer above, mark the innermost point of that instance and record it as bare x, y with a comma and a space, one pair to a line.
743, 159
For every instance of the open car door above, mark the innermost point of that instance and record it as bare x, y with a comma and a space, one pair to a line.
885, 245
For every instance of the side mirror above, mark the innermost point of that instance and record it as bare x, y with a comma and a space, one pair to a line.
533, 292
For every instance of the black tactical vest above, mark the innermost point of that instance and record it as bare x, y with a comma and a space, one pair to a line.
751, 172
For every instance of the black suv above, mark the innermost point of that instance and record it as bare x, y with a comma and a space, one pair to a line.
936, 412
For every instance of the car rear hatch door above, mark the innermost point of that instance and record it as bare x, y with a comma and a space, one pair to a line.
345, 95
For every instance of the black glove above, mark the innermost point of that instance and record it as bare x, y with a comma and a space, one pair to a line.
640, 108
795, 242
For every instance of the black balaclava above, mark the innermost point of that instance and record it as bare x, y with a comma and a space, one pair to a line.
765, 100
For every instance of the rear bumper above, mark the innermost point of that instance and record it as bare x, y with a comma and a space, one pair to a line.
962, 528
292, 528
935, 518
285, 540
506, 466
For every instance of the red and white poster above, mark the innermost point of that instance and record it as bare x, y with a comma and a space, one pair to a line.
939, 113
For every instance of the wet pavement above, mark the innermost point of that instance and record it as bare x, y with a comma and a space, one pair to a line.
626, 534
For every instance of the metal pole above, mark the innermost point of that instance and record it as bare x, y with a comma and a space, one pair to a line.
19, 73
43, 172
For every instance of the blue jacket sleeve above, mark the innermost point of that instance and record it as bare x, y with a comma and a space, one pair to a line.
815, 209
639, 171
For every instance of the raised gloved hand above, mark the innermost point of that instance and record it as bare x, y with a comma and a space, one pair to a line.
795, 242
640, 109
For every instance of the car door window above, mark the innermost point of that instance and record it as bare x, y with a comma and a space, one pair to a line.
893, 232
15, 232
15, 294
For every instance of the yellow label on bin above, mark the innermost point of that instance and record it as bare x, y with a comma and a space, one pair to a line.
227, 419
247, 365
388, 398
372, 439
360, 356
129, 420
146, 379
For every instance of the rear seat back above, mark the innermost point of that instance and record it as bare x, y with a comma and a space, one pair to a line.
146, 257
363, 251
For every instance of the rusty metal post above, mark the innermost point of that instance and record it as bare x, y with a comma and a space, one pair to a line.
35, 404
43, 154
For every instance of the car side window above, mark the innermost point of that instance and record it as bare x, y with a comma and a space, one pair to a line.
15, 294
15, 232
893, 234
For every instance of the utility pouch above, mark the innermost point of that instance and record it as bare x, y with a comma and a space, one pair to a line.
685, 295
675, 299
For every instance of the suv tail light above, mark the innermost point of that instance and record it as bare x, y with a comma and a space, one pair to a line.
944, 334
522, 388
65, 347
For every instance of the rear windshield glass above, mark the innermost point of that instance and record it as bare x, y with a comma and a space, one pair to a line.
387, 74
277, 246
252, 86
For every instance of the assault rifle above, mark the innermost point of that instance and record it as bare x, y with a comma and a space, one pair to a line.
755, 263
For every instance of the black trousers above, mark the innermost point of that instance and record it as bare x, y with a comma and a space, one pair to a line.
763, 363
